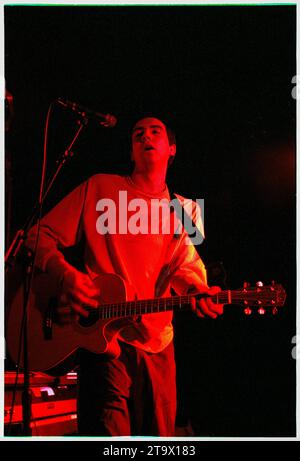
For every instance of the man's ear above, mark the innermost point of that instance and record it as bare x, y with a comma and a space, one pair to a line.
172, 150
172, 154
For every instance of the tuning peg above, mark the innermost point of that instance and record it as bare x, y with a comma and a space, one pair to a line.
261, 311
248, 311
246, 285
274, 310
259, 284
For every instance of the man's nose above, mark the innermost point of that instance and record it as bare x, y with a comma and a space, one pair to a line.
146, 136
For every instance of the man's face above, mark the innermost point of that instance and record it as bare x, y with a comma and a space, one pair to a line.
150, 143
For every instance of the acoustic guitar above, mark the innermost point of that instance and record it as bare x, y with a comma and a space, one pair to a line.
51, 343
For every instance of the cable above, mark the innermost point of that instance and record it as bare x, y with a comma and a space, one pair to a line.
27, 289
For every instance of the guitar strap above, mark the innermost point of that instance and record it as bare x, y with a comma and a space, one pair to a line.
189, 225
187, 222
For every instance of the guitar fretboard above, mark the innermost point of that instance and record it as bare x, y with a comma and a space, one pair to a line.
156, 305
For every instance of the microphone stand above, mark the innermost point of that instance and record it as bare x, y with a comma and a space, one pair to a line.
10, 259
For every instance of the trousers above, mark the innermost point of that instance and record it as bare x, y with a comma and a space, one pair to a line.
134, 394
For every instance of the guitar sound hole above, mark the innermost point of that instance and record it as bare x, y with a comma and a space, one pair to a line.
88, 321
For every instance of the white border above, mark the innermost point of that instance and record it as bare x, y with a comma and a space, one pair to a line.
2, 150
151, 2
297, 233
2, 227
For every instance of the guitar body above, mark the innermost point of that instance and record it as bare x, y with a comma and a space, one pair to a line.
51, 345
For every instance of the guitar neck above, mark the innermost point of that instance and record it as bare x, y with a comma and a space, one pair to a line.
156, 305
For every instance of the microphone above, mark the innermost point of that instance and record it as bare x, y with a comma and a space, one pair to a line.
106, 120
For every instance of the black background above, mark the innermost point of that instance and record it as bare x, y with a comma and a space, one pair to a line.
222, 76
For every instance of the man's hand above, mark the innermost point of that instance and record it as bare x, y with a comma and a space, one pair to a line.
78, 291
205, 307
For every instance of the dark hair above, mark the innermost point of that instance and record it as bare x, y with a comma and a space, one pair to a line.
169, 128
171, 135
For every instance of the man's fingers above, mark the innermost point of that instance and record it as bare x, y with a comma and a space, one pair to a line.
194, 307
80, 290
213, 290
70, 311
80, 299
204, 289
80, 310
70, 308
90, 290
87, 291
78, 302
205, 306
219, 308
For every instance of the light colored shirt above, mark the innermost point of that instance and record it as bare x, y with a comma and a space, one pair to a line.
151, 262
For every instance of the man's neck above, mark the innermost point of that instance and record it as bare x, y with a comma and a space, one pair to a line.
150, 182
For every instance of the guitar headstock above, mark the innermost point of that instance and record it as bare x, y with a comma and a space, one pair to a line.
263, 297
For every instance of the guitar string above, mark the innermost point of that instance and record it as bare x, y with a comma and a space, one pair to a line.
183, 299
158, 304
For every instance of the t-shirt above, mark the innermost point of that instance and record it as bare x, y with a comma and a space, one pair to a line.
126, 233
